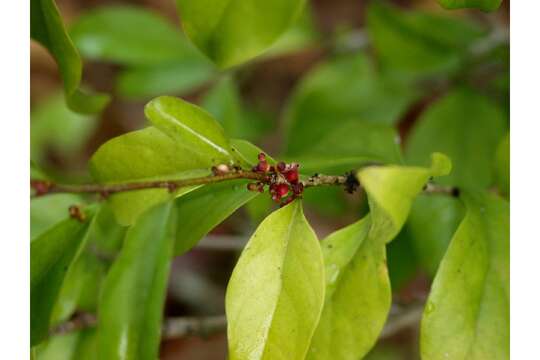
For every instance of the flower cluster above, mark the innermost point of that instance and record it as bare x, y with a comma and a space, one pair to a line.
282, 179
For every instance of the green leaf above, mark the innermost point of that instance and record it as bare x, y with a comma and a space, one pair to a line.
186, 143
413, 44
432, 223
231, 32
485, 5
358, 294
349, 145
218, 200
180, 78
190, 126
47, 28
467, 127
301, 34
82, 284
49, 210
54, 126
141, 155
160, 59
275, 295
51, 254
502, 166
79, 345
392, 189
60, 347
133, 296
467, 313
364, 95
130, 35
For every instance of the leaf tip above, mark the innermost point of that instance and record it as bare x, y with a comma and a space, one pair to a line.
441, 164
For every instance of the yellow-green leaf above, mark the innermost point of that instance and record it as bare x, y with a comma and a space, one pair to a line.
184, 142
358, 294
144, 155
275, 295
130, 312
392, 189
47, 28
467, 315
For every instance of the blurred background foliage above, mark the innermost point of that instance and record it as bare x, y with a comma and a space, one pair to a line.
408, 76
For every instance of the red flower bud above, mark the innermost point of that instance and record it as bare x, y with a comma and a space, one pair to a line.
281, 166
263, 166
292, 176
262, 157
282, 190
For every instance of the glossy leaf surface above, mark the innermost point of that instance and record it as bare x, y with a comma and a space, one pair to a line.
392, 189
358, 294
51, 254
47, 28
144, 155
467, 315
133, 296
231, 31
185, 142
276, 292
190, 126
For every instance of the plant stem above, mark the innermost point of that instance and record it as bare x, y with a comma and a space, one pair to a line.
44, 187
178, 327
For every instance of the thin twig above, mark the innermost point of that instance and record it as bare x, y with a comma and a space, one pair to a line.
222, 243
431, 188
350, 183
174, 327
78, 322
48, 187
407, 318
178, 327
